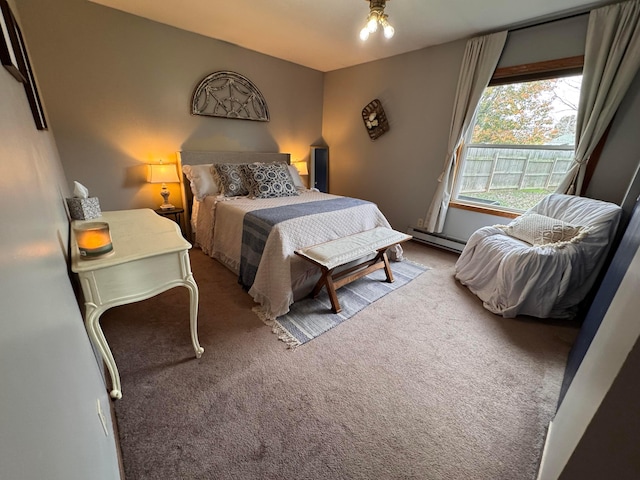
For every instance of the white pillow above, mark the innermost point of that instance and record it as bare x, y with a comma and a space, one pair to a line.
538, 229
201, 180
295, 176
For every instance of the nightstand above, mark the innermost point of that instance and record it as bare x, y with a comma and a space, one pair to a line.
172, 212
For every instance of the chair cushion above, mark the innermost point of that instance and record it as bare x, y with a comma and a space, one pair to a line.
538, 229
352, 247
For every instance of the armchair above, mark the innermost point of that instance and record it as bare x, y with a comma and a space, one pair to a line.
544, 262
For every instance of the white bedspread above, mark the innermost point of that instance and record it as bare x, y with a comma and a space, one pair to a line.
282, 276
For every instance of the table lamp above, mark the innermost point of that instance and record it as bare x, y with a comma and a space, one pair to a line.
302, 167
164, 173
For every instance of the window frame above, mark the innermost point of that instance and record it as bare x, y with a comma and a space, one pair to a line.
563, 67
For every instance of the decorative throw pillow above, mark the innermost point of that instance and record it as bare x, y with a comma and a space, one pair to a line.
541, 230
269, 180
295, 176
230, 178
201, 180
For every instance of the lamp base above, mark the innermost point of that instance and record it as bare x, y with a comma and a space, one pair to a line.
165, 196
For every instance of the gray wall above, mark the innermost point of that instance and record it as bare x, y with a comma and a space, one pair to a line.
49, 379
399, 170
595, 432
609, 446
118, 89
621, 154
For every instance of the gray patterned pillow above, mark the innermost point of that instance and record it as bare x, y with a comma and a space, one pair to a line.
230, 178
269, 180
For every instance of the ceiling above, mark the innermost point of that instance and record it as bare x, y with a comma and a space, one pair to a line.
323, 34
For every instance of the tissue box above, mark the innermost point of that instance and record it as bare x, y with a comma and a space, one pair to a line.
84, 208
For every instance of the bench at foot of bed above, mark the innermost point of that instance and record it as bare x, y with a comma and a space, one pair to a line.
334, 254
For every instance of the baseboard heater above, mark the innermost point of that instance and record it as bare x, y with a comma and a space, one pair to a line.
436, 240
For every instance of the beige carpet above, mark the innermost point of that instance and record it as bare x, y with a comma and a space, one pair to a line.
422, 384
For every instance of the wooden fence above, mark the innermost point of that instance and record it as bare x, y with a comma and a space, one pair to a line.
505, 167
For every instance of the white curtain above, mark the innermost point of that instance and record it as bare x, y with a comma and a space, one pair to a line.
480, 59
611, 61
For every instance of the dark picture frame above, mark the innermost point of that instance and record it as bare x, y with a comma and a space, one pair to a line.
375, 120
9, 43
30, 85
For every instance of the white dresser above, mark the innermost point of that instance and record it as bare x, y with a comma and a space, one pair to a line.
149, 256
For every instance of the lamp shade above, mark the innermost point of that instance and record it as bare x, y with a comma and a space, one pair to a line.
163, 173
302, 168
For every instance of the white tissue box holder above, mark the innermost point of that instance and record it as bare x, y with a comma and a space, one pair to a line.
84, 208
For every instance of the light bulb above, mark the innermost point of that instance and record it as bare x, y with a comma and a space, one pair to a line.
364, 34
372, 24
389, 31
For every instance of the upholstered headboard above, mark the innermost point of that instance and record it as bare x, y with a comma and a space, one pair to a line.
201, 158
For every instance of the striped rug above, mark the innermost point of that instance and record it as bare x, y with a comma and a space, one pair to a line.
311, 317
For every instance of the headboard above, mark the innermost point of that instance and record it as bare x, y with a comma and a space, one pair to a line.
200, 158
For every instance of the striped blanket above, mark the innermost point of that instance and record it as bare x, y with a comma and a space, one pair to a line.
258, 224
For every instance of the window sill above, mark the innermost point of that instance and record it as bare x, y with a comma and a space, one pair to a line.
485, 210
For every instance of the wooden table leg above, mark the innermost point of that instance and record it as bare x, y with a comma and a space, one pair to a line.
387, 267
331, 290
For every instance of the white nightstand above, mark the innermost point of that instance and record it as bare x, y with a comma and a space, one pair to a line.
149, 256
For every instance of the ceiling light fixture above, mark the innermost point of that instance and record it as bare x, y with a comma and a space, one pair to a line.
376, 17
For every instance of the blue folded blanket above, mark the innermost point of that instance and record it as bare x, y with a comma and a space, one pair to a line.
258, 224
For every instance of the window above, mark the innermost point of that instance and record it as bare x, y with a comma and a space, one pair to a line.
522, 141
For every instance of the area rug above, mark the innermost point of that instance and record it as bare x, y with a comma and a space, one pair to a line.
310, 317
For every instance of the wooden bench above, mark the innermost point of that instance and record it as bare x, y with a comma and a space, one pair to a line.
337, 253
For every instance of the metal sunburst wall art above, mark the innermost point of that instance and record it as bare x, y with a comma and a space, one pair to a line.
229, 95
375, 120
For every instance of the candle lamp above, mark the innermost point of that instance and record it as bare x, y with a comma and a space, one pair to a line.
94, 239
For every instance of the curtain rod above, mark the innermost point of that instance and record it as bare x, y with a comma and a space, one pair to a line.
544, 22
555, 17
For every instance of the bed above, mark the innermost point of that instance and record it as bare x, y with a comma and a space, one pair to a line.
256, 237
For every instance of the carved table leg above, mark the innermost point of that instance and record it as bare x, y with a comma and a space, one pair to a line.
193, 314
92, 323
